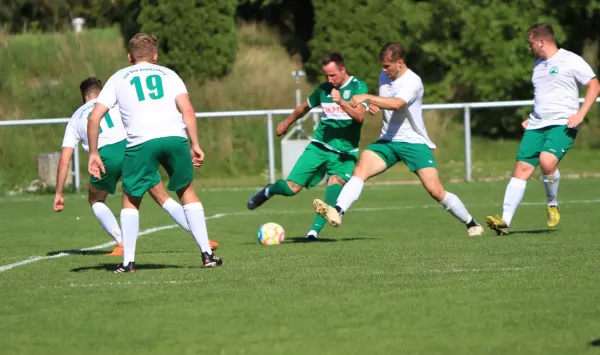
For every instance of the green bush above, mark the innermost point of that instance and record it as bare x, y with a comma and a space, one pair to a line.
196, 37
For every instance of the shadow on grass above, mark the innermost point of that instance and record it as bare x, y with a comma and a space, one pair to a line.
595, 342
79, 252
113, 267
303, 240
535, 231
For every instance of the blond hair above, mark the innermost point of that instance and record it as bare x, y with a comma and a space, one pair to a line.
142, 47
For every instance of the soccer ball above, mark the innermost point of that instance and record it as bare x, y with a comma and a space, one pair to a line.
271, 234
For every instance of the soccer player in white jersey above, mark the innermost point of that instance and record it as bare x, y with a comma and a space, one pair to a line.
403, 138
111, 146
156, 112
553, 124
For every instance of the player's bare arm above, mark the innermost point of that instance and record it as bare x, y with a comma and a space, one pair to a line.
384, 103
95, 165
61, 177
184, 105
593, 89
298, 112
357, 113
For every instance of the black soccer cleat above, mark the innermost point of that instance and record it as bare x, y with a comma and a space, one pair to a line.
211, 260
123, 269
258, 198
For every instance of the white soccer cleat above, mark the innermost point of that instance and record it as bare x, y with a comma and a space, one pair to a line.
475, 231
329, 213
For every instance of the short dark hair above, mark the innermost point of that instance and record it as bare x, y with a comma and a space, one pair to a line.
395, 50
541, 31
333, 57
89, 86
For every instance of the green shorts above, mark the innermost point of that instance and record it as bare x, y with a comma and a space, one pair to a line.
316, 162
416, 156
140, 166
112, 157
556, 140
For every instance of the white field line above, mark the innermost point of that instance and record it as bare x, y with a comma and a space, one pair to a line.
34, 259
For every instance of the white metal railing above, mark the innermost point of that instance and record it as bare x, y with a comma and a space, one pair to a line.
270, 137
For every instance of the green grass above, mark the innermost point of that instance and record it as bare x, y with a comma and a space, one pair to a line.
400, 276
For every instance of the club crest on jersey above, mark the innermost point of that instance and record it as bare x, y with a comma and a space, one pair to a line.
554, 71
346, 94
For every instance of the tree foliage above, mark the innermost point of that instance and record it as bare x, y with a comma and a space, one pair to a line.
196, 37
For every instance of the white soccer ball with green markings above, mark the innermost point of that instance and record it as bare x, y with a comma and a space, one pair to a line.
271, 234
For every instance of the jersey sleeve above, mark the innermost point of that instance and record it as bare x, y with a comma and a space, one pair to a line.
71, 139
361, 88
178, 85
108, 95
582, 71
315, 98
409, 91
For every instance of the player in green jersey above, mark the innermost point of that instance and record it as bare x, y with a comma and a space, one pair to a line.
333, 150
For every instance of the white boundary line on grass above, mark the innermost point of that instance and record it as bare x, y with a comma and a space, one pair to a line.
34, 259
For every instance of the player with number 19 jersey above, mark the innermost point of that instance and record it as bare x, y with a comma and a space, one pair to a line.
145, 94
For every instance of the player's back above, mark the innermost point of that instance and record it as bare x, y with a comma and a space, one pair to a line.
111, 127
145, 94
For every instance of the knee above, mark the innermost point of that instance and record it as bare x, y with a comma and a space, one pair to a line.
294, 187
548, 164
92, 199
523, 171
336, 180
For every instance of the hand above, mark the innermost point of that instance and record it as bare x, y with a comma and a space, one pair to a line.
524, 124
357, 100
575, 120
373, 109
197, 156
282, 128
59, 203
335, 96
95, 165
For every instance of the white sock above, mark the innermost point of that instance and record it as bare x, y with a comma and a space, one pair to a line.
107, 220
194, 213
512, 198
130, 221
176, 212
551, 186
350, 193
454, 205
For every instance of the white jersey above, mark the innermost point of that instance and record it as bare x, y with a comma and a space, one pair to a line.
406, 124
146, 96
111, 128
556, 83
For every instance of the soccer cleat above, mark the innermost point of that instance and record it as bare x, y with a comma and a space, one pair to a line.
123, 269
497, 224
117, 251
475, 230
311, 236
329, 213
211, 260
258, 198
553, 213
213, 245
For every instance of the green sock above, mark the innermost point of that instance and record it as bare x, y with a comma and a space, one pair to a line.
331, 194
280, 187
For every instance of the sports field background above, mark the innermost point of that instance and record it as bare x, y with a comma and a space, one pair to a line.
400, 276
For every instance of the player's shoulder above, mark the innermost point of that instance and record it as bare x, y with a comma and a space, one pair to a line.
570, 56
357, 81
83, 110
412, 77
